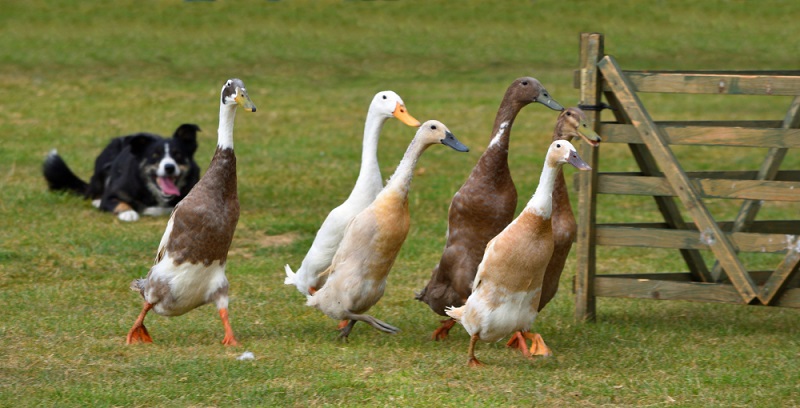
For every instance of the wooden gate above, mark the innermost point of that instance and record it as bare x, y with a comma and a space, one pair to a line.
662, 177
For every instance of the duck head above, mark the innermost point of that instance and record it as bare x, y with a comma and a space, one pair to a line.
390, 104
234, 93
528, 90
571, 123
433, 132
561, 152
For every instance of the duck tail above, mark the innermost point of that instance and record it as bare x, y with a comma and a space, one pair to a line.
138, 286
455, 312
291, 277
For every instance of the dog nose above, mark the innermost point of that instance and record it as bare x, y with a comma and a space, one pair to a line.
169, 168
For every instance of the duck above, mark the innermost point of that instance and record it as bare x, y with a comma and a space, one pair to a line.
571, 123
189, 268
481, 208
356, 278
508, 284
309, 278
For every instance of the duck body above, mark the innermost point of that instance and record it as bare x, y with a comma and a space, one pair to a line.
356, 278
482, 207
308, 278
508, 284
189, 269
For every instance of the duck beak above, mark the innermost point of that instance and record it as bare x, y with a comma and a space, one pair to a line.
588, 134
545, 99
244, 101
402, 114
451, 141
576, 161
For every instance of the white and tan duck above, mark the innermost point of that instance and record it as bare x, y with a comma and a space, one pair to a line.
481, 208
357, 276
508, 285
308, 278
189, 269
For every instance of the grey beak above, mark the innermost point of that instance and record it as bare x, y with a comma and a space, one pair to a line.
451, 141
576, 161
545, 99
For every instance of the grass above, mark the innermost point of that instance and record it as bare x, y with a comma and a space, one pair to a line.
74, 74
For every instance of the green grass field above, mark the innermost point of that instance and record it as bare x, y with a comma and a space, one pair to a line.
74, 74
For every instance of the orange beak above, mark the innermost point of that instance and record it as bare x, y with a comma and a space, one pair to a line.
402, 114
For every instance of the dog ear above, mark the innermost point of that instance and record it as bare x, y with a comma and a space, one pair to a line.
186, 134
139, 143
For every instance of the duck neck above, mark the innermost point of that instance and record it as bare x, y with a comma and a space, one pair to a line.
506, 113
560, 193
225, 130
541, 203
401, 179
370, 173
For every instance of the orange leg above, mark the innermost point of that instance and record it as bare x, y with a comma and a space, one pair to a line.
443, 330
312, 290
138, 333
342, 324
518, 342
473, 362
229, 339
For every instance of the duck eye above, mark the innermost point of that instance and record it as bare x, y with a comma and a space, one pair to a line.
384, 96
433, 127
558, 146
524, 82
569, 113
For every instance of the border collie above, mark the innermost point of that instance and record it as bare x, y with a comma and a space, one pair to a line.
139, 173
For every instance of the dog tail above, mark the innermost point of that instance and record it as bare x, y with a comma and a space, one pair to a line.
59, 176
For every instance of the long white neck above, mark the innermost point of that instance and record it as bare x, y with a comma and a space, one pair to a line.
370, 173
225, 130
401, 179
541, 203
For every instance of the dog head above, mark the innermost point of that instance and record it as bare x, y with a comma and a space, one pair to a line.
167, 165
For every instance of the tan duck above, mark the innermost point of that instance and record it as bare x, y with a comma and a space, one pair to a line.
189, 269
508, 285
357, 276
481, 208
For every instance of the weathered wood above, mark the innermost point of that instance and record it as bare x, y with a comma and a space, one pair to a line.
654, 139
780, 278
783, 227
690, 239
591, 45
763, 83
767, 171
789, 298
666, 290
707, 135
706, 188
785, 175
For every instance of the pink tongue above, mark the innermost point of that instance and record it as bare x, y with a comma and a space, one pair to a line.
167, 186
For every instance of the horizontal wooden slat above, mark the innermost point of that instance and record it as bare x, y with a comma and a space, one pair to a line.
790, 298
784, 227
687, 239
785, 175
707, 135
786, 83
706, 188
665, 290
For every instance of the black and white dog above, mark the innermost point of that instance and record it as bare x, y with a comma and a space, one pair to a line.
139, 173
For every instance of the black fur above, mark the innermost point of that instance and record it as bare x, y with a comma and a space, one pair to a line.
124, 171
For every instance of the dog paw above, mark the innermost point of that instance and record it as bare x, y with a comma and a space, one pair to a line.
96, 203
128, 216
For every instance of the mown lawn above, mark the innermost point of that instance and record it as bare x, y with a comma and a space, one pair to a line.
74, 74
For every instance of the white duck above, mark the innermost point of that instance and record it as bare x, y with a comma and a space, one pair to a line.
307, 279
357, 276
189, 269
508, 285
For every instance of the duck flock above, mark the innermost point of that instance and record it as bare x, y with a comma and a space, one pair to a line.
495, 274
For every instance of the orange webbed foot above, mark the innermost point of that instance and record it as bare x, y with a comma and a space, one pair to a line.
444, 329
229, 339
473, 362
138, 334
538, 346
342, 324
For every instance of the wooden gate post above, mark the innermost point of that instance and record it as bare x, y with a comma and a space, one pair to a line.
591, 89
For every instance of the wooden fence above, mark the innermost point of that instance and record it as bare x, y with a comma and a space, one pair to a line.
662, 176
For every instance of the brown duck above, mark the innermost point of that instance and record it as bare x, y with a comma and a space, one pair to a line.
483, 206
